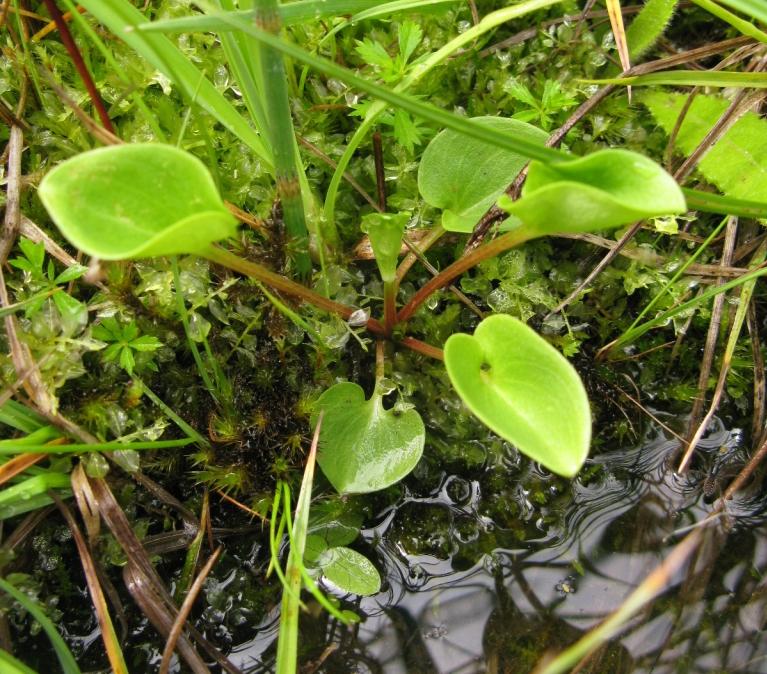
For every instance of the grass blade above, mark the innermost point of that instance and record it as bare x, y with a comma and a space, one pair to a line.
691, 78
756, 9
290, 13
108, 635
20, 417
666, 316
287, 644
282, 136
123, 19
66, 659
723, 205
11, 665
8, 447
745, 27
31, 494
659, 580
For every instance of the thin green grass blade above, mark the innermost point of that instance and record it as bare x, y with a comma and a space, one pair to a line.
678, 274
9, 447
123, 19
756, 9
31, 493
11, 665
745, 27
135, 96
16, 306
36, 438
723, 205
666, 316
290, 13
691, 78
287, 644
21, 418
386, 9
240, 56
64, 655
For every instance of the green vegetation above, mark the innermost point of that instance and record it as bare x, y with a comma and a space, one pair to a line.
193, 358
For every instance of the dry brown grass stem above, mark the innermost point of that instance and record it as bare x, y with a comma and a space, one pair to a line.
185, 610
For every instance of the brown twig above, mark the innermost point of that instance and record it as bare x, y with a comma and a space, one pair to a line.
713, 333
435, 272
760, 381
100, 133
596, 271
347, 176
108, 635
185, 610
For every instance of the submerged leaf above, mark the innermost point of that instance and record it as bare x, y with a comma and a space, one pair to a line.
605, 189
364, 447
524, 390
133, 201
464, 176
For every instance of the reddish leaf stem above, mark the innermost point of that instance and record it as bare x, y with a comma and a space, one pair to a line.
77, 59
499, 245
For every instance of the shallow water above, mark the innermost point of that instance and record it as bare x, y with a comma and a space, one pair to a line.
459, 612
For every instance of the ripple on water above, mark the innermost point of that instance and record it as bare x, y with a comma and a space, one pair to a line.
481, 577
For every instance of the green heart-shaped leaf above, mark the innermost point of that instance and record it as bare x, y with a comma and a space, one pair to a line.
524, 390
605, 189
349, 571
464, 176
364, 447
132, 201
385, 231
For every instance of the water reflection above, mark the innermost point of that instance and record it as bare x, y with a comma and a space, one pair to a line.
501, 613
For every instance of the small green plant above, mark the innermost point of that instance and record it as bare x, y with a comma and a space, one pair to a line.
42, 284
541, 109
606, 189
157, 200
124, 342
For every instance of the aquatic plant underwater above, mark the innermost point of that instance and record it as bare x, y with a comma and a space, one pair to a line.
174, 185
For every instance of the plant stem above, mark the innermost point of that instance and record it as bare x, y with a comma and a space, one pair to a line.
422, 347
380, 361
284, 285
390, 306
422, 246
495, 247
184, 316
283, 138
77, 60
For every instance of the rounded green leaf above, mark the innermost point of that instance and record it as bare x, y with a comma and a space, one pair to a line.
350, 571
604, 189
132, 201
364, 447
464, 176
524, 390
